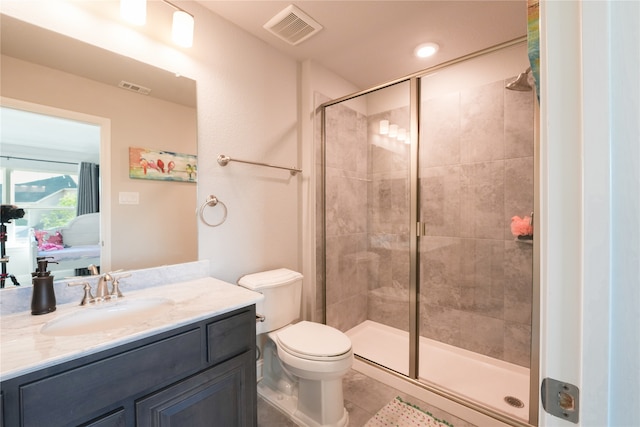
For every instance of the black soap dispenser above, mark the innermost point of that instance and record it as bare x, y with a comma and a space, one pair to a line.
43, 299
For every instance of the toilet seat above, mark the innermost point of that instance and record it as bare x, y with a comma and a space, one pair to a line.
314, 341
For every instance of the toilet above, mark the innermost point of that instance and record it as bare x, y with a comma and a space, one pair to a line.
302, 363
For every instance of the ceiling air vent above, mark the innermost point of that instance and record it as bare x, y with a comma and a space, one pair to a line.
134, 88
292, 25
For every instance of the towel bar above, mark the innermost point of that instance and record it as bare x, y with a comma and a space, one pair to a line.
224, 161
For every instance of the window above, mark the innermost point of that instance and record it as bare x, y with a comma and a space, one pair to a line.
48, 199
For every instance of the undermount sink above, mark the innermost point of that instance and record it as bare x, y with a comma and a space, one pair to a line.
107, 315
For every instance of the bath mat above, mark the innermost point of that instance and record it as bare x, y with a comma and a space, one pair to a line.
399, 413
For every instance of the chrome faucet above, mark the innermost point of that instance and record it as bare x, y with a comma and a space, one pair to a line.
115, 286
102, 291
93, 269
87, 298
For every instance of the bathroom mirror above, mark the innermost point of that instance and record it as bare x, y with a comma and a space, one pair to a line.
144, 223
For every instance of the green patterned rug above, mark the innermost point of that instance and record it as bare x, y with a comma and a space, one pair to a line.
399, 413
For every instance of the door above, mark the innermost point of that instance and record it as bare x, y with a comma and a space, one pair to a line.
217, 396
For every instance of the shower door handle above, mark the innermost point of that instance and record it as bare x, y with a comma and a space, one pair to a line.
421, 229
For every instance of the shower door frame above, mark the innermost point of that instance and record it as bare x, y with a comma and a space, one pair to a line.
416, 231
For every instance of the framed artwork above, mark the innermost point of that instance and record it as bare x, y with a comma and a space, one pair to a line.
533, 40
146, 163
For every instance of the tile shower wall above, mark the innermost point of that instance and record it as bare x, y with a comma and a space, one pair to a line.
476, 173
388, 219
367, 228
347, 269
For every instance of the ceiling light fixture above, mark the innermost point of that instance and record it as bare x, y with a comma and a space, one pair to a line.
426, 50
135, 12
182, 30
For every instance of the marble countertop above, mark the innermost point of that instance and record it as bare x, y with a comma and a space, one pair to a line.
24, 348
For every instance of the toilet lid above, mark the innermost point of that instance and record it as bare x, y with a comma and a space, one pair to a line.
314, 339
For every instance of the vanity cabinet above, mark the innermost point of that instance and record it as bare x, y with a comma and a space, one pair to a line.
201, 374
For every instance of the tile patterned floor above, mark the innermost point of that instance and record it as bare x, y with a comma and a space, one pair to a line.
363, 397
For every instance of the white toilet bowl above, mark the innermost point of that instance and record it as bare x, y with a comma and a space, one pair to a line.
302, 363
313, 359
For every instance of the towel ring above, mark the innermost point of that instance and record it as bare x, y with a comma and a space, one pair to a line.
212, 201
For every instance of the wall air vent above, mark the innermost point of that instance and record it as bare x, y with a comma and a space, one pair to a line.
292, 25
134, 88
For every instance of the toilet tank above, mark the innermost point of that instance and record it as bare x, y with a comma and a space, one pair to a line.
282, 290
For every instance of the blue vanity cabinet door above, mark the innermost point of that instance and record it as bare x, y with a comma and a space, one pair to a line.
219, 396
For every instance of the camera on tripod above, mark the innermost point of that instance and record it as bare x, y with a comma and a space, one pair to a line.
7, 213
10, 212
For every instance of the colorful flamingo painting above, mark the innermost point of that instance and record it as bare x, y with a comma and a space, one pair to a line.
146, 163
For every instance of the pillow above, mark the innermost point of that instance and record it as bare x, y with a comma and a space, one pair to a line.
50, 247
47, 242
41, 237
55, 239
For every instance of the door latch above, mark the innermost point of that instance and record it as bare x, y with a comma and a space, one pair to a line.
560, 399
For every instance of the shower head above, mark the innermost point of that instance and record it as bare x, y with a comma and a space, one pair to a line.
522, 82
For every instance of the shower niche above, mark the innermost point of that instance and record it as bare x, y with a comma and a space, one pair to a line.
420, 180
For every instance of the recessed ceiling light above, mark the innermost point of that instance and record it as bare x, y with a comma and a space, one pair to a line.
426, 50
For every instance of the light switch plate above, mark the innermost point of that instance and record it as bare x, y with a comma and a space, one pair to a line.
129, 198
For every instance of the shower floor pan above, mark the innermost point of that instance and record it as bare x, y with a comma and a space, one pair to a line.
480, 378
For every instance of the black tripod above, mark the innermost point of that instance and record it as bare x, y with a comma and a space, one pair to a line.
7, 213
5, 259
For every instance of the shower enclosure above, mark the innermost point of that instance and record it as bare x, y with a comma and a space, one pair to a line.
420, 181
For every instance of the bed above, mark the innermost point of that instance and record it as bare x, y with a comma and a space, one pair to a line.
74, 247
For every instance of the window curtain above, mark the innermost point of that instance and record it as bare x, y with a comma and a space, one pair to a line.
88, 188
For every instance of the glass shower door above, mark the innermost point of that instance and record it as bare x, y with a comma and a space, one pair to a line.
367, 223
476, 173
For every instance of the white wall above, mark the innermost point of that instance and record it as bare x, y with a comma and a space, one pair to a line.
247, 108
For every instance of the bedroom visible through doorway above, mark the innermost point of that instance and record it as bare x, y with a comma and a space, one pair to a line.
39, 173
